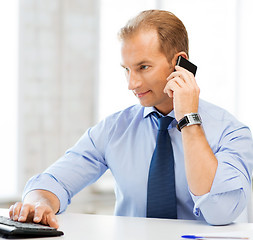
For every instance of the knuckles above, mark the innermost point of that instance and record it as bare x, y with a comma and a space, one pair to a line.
27, 205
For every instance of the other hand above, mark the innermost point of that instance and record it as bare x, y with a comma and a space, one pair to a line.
37, 212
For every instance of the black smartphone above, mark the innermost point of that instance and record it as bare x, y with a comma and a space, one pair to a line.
182, 62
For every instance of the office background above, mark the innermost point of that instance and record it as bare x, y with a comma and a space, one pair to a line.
60, 74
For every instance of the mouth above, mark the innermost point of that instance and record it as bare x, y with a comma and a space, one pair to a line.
142, 94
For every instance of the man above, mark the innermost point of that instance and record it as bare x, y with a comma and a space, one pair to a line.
212, 160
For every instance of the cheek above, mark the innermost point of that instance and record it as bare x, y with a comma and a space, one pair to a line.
158, 87
160, 79
160, 83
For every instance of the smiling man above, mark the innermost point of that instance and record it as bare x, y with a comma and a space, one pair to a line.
209, 176
147, 69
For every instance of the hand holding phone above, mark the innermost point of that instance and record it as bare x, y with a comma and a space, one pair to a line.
183, 89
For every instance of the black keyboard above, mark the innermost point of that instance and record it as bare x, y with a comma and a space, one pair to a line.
14, 229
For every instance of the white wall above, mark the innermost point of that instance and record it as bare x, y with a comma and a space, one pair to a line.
8, 96
57, 79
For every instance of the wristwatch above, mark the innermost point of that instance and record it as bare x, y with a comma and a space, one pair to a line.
188, 120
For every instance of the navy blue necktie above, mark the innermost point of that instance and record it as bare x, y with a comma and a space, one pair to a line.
161, 194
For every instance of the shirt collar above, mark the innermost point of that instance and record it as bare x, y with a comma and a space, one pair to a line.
149, 110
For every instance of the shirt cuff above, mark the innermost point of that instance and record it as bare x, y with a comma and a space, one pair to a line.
198, 200
47, 182
227, 185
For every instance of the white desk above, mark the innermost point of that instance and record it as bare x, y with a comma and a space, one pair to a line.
98, 227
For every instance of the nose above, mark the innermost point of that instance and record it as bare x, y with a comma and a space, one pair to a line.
133, 81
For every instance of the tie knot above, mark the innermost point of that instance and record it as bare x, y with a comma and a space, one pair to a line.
163, 122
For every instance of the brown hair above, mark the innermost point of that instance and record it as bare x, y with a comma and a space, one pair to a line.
171, 31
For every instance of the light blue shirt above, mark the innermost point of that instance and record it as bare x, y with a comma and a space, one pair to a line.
124, 143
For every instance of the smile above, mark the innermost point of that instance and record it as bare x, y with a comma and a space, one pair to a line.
140, 95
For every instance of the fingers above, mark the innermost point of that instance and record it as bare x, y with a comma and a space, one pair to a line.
182, 77
52, 221
184, 71
26, 213
11, 211
38, 213
14, 210
45, 216
171, 87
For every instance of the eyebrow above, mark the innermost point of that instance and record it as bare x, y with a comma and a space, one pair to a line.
144, 62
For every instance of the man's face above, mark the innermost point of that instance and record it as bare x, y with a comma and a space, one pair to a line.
147, 69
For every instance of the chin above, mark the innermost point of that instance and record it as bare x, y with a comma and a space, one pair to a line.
147, 104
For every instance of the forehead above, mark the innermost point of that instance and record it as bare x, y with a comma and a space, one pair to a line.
140, 46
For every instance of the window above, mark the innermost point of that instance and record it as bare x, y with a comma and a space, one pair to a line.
8, 96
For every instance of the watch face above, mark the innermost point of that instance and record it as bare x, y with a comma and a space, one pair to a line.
189, 119
195, 117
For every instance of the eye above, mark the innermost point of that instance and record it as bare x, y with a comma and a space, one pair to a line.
126, 70
144, 67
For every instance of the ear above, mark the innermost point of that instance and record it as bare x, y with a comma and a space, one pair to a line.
183, 54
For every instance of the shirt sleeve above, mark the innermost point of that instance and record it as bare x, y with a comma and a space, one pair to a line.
232, 183
81, 165
47, 182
